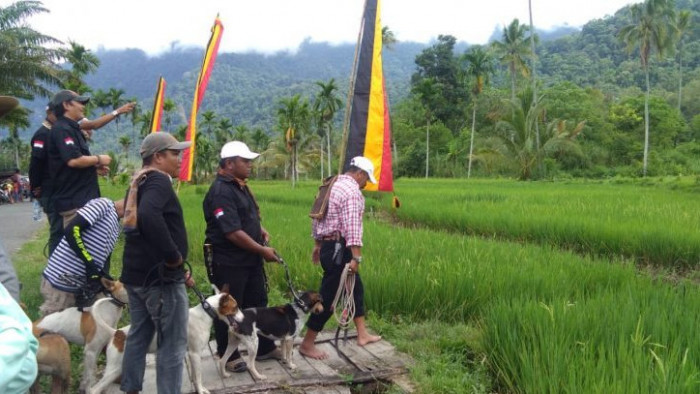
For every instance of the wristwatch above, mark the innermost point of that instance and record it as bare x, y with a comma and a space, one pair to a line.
357, 258
115, 113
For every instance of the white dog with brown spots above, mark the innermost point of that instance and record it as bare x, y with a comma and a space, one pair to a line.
80, 328
198, 329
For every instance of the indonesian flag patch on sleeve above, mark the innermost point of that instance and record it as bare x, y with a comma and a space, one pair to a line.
218, 212
38, 144
68, 141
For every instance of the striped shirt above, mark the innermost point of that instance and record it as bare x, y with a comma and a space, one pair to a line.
65, 266
345, 208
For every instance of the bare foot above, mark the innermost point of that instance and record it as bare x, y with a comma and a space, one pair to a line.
313, 352
365, 339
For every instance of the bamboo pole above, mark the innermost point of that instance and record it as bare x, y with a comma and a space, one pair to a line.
351, 91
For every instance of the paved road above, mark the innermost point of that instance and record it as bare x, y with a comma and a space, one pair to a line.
17, 226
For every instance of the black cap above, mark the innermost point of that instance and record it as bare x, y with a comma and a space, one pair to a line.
67, 95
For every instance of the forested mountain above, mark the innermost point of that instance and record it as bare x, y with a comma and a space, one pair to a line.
585, 75
245, 87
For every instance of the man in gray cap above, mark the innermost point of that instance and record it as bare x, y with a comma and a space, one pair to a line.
153, 273
73, 168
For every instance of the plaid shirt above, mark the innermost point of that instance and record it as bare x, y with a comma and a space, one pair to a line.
345, 208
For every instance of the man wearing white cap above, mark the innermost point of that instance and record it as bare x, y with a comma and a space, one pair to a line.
238, 241
338, 242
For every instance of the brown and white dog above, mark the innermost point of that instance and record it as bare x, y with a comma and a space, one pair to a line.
283, 323
80, 327
53, 358
198, 329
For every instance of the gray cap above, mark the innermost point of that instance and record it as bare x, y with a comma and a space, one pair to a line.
7, 104
67, 95
160, 141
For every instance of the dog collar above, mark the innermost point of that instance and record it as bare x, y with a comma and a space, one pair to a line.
116, 302
208, 309
301, 304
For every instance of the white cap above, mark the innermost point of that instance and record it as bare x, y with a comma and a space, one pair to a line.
237, 148
365, 165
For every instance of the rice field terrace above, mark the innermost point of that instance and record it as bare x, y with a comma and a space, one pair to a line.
505, 286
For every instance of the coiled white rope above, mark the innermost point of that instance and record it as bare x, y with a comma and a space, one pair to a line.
344, 301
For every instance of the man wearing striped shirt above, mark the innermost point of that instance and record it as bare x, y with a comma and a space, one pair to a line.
82, 256
342, 227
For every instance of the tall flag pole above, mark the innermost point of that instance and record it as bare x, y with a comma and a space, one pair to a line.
158, 106
204, 74
369, 130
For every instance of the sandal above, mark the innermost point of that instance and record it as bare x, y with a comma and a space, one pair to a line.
237, 365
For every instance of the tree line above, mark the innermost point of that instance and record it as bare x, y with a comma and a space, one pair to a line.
515, 107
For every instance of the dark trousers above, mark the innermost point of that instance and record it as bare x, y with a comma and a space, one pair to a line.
55, 222
332, 270
247, 286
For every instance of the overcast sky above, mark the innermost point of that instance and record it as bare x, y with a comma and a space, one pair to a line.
272, 25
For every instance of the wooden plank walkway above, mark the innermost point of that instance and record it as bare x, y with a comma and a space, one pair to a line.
349, 364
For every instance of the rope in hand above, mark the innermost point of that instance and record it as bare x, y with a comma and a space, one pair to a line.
343, 305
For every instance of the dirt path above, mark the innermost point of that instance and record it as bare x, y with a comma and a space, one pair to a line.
17, 226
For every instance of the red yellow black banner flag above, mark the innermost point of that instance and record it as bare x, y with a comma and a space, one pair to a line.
204, 74
369, 132
158, 106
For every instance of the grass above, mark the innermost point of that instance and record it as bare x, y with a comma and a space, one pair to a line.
515, 309
652, 225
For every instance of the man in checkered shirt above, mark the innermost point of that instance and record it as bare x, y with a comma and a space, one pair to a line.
342, 227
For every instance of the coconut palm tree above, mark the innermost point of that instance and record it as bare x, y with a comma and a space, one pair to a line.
259, 140
168, 108
479, 68
28, 59
293, 116
125, 143
16, 120
223, 131
516, 131
100, 99
116, 100
513, 50
427, 91
326, 105
388, 38
83, 61
533, 69
144, 122
683, 24
240, 133
208, 121
649, 31
205, 158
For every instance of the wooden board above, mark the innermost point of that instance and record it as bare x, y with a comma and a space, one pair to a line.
351, 364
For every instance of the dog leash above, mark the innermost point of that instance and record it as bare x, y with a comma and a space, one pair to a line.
202, 300
345, 302
288, 276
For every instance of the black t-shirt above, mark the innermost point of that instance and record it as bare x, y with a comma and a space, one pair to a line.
39, 175
229, 207
161, 235
72, 187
